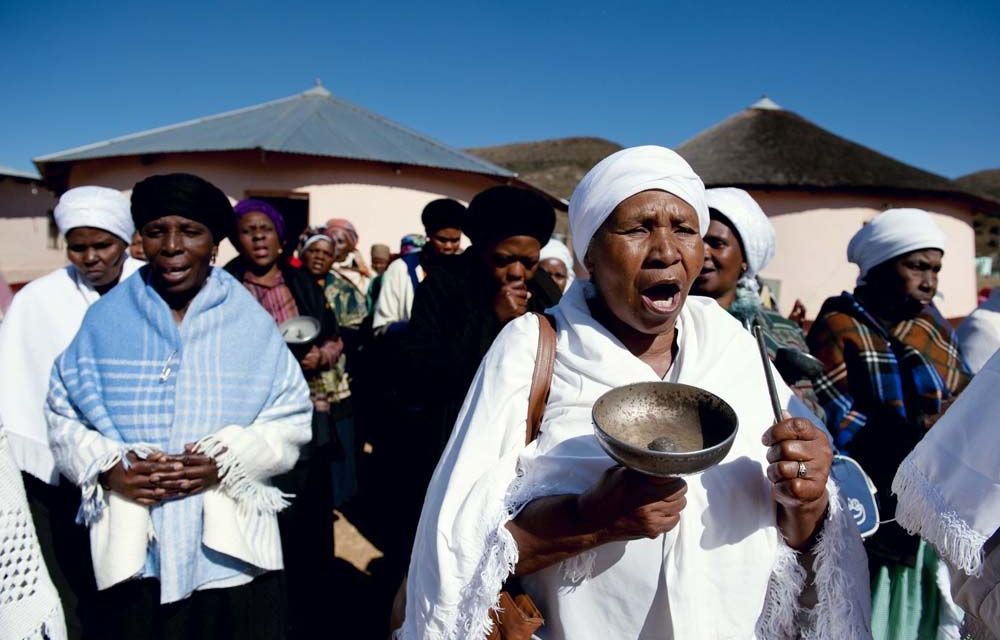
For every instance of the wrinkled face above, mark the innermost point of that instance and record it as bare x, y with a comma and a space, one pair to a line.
258, 239
180, 252
379, 264
644, 259
445, 242
912, 279
512, 259
341, 244
97, 254
724, 263
556, 269
318, 257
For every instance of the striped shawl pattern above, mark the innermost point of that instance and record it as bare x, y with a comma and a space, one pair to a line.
133, 379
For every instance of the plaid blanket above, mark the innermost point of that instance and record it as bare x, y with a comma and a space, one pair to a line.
904, 371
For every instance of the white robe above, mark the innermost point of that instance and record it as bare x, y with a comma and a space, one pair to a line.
41, 322
723, 572
979, 334
395, 300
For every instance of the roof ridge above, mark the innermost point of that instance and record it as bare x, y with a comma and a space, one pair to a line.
139, 134
445, 147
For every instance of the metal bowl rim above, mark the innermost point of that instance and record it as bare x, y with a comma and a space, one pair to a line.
727, 442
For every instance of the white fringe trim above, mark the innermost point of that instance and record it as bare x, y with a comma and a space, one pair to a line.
53, 627
91, 491
840, 578
249, 494
923, 511
579, 567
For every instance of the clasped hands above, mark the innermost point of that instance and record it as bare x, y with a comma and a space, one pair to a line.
161, 476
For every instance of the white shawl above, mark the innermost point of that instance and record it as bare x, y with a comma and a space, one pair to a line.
979, 334
42, 321
949, 485
730, 574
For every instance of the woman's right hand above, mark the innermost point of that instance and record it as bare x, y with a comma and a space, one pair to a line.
627, 505
135, 483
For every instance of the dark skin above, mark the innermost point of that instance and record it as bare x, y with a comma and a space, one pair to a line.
260, 249
135, 249
344, 249
900, 289
642, 262
510, 263
556, 269
180, 252
98, 255
318, 258
723, 267
379, 264
445, 242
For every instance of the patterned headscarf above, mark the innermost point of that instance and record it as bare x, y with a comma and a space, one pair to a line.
345, 226
411, 243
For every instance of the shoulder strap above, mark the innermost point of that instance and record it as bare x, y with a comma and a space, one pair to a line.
541, 378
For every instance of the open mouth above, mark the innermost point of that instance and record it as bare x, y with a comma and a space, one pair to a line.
663, 298
175, 274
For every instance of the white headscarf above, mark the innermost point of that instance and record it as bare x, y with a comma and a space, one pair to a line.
97, 207
559, 251
624, 174
751, 223
891, 234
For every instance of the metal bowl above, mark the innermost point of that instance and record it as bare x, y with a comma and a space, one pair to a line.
301, 330
664, 429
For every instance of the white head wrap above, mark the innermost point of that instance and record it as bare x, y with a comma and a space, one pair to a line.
891, 234
624, 174
755, 230
556, 249
319, 237
98, 207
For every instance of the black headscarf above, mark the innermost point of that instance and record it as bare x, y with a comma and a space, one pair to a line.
502, 212
443, 213
185, 195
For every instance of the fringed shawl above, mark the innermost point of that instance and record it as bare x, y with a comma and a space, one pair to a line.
133, 379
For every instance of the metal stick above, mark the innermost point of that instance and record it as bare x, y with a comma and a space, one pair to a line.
758, 332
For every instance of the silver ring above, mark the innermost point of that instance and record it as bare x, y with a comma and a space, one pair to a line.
802, 470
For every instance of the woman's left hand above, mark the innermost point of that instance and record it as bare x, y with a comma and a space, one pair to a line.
312, 360
199, 473
800, 457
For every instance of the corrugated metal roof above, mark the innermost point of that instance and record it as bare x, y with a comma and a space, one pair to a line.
17, 173
313, 122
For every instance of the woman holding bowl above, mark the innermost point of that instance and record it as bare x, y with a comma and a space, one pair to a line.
604, 551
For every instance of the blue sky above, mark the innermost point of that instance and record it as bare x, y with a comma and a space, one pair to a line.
917, 80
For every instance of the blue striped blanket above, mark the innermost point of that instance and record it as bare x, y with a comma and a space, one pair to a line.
144, 382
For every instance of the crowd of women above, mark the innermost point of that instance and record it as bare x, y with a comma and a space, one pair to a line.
176, 435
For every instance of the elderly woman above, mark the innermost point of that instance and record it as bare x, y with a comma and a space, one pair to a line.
173, 429
891, 369
43, 318
739, 243
556, 260
286, 293
348, 289
604, 551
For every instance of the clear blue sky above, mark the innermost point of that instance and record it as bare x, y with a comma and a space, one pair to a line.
917, 80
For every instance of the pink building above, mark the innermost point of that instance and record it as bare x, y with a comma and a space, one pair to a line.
313, 155
819, 189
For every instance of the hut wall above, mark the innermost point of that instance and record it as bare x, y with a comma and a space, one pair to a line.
383, 201
813, 230
24, 231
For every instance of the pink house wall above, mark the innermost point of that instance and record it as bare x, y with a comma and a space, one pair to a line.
813, 229
24, 231
383, 201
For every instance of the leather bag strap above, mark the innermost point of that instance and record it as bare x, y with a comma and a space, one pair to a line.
541, 377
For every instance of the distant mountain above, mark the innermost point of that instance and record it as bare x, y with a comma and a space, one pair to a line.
555, 166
